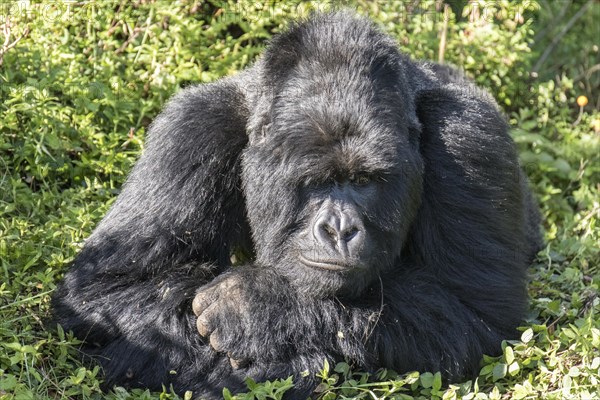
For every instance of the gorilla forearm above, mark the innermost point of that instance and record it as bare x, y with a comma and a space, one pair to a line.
129, 321
128, 294
416, 324
425, 327
271, 327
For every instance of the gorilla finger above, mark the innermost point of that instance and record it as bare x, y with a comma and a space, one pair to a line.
237, 363
206, 320
215, 341
203, 300
204, 325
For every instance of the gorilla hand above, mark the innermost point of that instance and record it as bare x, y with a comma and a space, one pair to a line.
240, 314
222, 302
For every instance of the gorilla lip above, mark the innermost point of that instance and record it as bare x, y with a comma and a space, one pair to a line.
329, 265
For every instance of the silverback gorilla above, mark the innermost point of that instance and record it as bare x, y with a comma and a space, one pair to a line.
379, 202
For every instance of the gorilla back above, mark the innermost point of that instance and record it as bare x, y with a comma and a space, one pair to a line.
380, 202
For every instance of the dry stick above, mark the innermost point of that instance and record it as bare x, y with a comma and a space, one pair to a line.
6, 48
442, 49
148, 22
561, 34
587, 73
134, 33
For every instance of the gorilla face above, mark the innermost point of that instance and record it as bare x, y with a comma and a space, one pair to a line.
332, 188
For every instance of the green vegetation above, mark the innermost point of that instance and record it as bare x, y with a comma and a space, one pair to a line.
81, 81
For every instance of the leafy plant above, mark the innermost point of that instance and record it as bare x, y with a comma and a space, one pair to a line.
84, 80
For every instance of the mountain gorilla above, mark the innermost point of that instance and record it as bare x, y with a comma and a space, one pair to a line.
379, 202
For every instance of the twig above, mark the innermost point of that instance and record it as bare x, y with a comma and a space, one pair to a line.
134, 34
148, 22
554, 20
561, 34
7, 45
588, 72
442, 49
115, 22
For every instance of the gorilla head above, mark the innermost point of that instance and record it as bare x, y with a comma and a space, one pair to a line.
332, 175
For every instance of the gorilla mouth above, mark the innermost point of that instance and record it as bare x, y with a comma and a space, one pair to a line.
329, 265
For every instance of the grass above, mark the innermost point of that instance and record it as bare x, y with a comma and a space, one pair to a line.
81, 82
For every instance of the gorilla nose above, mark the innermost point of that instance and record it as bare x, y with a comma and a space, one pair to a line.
339, 230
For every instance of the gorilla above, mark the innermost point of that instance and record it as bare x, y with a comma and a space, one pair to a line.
374, 205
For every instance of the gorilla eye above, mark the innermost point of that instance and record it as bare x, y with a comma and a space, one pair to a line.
360, 179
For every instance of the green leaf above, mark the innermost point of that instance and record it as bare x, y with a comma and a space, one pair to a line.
251, 383
520, 392
527, 335
513, 368
325, 369
427, 380
437, 381
8, 382
499, 371
342, 368
487, 369
329, 396
509, 355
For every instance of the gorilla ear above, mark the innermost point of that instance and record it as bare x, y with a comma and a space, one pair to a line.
460, 114
283, 53
439, 110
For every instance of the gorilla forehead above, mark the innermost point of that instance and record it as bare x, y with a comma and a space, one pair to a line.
342, 95
330, 137
336, 126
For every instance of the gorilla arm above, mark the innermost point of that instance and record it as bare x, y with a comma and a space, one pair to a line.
408, 323
129, 291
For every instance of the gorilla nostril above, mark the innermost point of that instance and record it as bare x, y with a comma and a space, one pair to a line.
329, 231
350, 234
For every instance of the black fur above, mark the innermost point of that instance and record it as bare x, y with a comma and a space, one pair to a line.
445, 221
